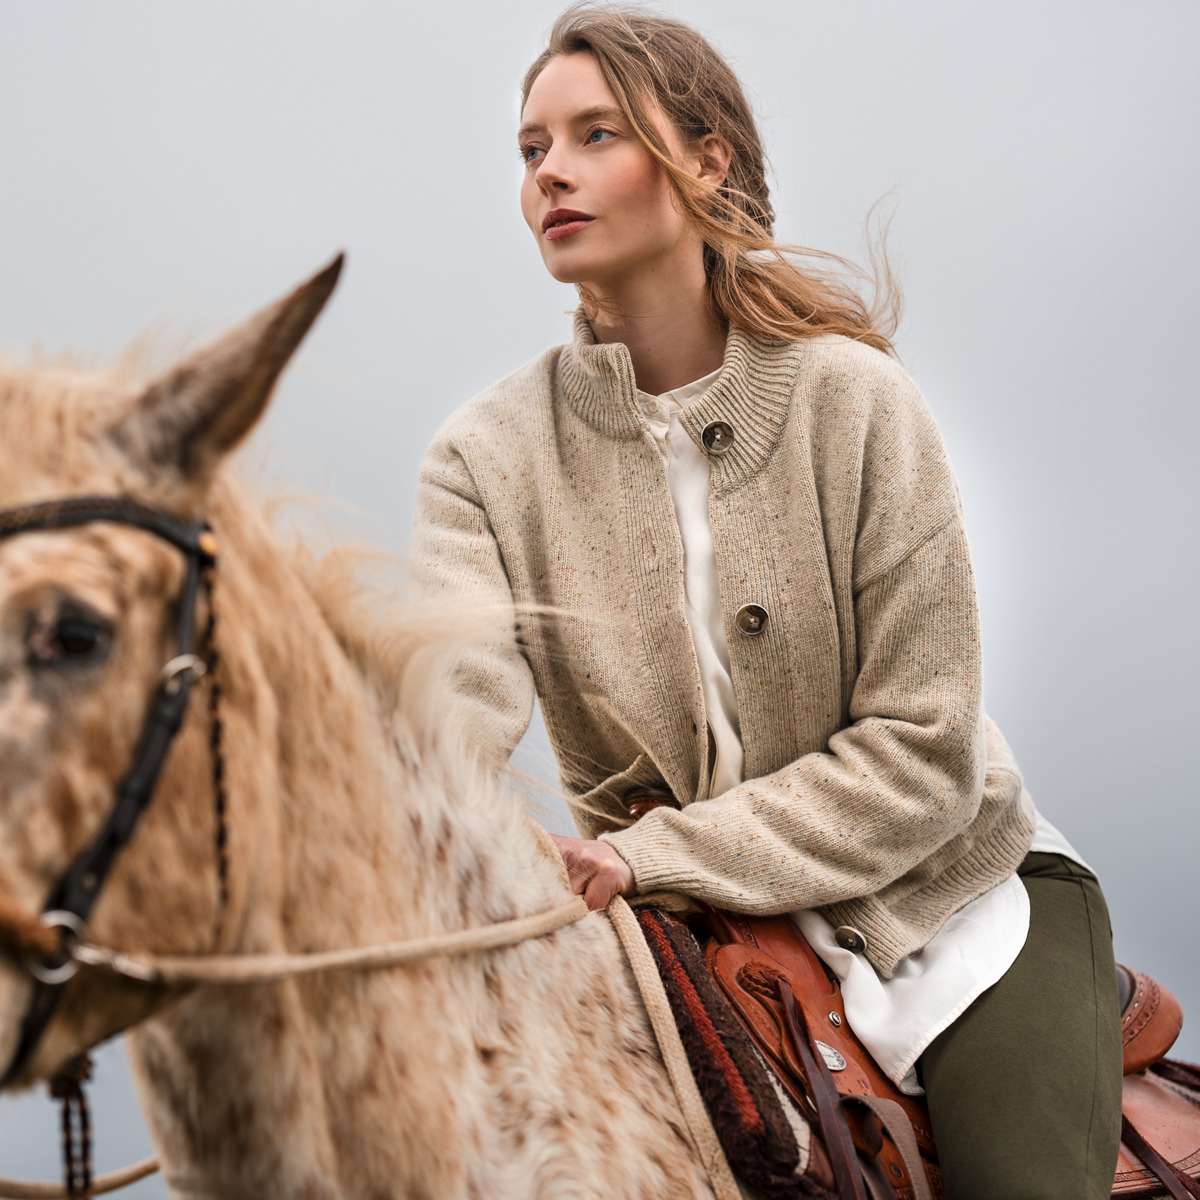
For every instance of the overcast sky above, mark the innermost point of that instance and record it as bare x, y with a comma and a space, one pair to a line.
193, 160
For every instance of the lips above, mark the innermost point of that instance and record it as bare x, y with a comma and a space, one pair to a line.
562, 222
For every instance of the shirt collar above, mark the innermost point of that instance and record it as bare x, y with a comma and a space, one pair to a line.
681, 397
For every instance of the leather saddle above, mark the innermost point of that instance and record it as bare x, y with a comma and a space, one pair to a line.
870, 1139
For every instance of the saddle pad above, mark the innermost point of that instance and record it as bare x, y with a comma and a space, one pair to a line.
755, 1122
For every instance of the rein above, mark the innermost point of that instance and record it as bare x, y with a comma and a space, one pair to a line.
268, 968
243, 969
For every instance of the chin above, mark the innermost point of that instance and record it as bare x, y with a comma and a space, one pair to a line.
584, 267
569, 269
584, 264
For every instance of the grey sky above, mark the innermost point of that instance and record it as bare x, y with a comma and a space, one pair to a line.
195, 160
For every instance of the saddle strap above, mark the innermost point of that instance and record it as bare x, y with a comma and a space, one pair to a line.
1181, 1186
835, 1131
899, 1128
1181, 1073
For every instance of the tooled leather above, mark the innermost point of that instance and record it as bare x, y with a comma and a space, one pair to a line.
1168, 1117
1180, 1184
748, 977
1142, 1007
819, 995
1150, 1023
831, 1122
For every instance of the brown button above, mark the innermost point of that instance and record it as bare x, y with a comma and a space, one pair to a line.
849, 938
751, 619
718, 437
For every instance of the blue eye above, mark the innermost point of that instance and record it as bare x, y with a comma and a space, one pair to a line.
528, 153
598, 135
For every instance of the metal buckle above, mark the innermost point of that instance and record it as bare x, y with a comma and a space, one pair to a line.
184, 666
72, 928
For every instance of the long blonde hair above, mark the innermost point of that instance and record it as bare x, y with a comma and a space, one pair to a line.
651, 62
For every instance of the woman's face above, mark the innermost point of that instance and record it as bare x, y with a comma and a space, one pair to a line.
598, 204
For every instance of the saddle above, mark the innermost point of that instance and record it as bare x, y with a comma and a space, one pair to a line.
869, 1140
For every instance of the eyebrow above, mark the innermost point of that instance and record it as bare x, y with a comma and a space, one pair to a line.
604, 112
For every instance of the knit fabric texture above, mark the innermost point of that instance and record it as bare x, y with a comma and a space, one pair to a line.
877, 790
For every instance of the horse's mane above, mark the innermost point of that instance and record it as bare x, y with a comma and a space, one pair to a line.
366, 599
47, 411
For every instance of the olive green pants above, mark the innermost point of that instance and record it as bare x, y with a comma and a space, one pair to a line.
1024, 1088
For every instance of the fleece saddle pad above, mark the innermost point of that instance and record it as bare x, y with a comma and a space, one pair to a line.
757, 1123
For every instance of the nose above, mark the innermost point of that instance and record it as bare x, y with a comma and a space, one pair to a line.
553, 176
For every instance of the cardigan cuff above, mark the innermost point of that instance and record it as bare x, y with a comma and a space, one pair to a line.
658, 866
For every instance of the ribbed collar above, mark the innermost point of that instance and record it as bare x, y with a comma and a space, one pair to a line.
752, 394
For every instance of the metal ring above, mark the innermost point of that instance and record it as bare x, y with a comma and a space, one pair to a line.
72, 928
187, 666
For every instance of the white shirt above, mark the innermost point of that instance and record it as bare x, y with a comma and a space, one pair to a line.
895, 1018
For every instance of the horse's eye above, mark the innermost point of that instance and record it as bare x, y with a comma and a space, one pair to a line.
73, 640
73, 637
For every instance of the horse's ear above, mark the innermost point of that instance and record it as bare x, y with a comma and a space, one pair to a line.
186, 421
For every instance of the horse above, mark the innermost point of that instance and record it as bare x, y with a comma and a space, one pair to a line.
325, 797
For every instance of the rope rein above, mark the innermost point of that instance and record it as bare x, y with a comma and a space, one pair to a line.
235, 969
238, 969
16, 1189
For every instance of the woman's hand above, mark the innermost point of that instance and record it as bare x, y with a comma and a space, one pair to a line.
596, 871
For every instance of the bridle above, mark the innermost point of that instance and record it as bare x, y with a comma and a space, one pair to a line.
73, 896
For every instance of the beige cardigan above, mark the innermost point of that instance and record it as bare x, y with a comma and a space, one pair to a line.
877, 790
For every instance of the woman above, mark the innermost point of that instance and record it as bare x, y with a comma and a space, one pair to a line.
742, 511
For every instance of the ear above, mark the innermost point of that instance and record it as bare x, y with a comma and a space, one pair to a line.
184, 423
711, 157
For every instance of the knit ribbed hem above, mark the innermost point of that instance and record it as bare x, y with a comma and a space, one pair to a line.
894, 934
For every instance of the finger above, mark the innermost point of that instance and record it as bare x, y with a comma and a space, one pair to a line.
603, 887
578, 878
598, 894
579, 872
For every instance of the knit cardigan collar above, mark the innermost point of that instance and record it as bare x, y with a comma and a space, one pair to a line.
752, 394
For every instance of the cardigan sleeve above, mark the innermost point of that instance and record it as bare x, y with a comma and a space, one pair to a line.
454, 558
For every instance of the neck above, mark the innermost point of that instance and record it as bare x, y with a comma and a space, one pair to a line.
665, 320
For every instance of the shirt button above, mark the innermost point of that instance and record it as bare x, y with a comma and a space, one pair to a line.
751, 619
650, 407
718, 437
849, 938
